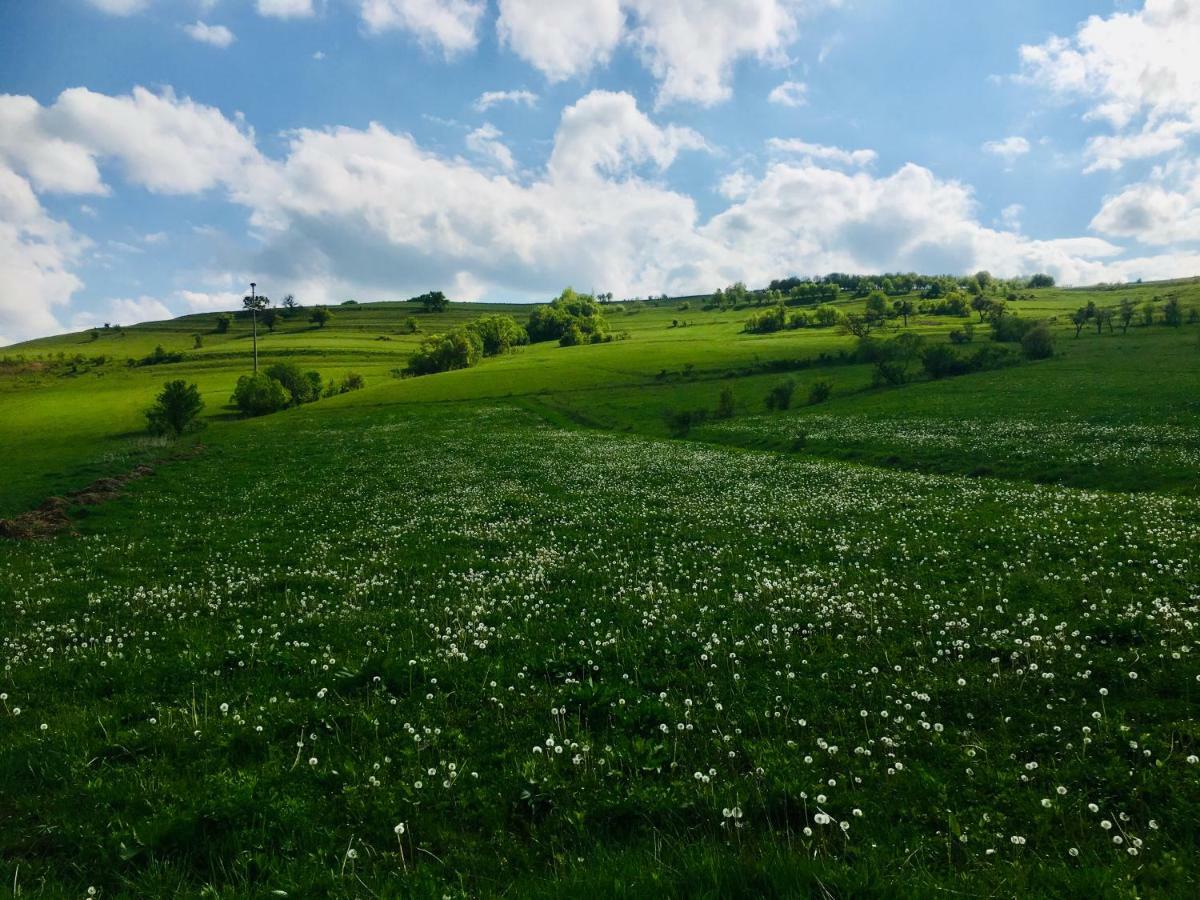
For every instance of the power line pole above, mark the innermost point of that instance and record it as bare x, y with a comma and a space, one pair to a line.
254, 303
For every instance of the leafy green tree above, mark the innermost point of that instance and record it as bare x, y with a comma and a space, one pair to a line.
780, 396
432, 301
175, 409
1125, 314
1173, 313
460, 348
270, 318
302, 387
1079, 318
499, 333
320, 317
1041, 281
259, 394
224, 320
904, 309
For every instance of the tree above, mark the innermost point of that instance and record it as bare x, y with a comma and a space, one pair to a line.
981, 305
904, 309
259, 394
876, 305
1126, 314
320, 317
1041, 281
780, 396
457, 349
432, 301
1104, 317
725, 404
858, 325
175, 410
270, 319
223, 322
1079, 318
1173, 313
301, 387
1148, 313
498, 333
255, 303
984, 280
289, 303
1038, 342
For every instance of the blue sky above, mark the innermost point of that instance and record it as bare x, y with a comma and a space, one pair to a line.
157, 155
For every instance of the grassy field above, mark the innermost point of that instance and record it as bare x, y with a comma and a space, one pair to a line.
497, 632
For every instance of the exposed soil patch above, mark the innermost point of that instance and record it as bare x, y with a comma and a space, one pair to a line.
53, 515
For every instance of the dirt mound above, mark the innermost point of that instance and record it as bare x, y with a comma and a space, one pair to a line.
52, 516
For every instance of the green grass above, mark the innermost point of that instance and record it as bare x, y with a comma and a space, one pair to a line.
472, 602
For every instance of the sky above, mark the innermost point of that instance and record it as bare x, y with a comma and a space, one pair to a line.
156, 156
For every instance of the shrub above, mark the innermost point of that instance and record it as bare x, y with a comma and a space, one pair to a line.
259, 394
1011, 329
1038, 342
498, 333
819, 392
551, 322
175, 410
963, 335
725, 404
158, 357
681, 421
780, 396
351, 382
197, 341
320, 317
224, 320
301, 387
766, 321
939, 361
457, 349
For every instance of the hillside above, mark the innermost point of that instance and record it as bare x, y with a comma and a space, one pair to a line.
571, 622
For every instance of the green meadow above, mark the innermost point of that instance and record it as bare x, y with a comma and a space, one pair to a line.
595, 621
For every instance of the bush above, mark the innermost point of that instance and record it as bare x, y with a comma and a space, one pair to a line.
498, 333
780, 396
963, 335
766, 321
681, 421
725, 404
320, 317
158, 357
1038, 342
1011, 329
551, 322
301, 387
819, 392
259, 394
224, 320
457, 349
175, 409
351, 382
939, 361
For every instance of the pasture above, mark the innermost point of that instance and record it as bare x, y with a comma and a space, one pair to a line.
508, 631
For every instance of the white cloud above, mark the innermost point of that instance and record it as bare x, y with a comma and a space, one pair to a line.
1109, 152
1163, 210
561, 39
36, 257
285, 9
1007, 149
488, 99
125, 311
214, 35
690, 46
1010, 217
120, 7
605, 134
201, 301
835, 155
736, 185
790, 93
485, 141
54, 162
448, 24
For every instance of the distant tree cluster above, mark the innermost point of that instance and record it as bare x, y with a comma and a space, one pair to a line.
465, 346
282, 385
571, 319
1170, 313
432, 301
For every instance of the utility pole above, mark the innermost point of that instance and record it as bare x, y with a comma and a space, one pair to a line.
254, 303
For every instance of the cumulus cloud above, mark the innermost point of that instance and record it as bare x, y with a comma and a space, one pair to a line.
835, 155
37, 254
1007, 149
285, 9
789, 93
214, 35
447, 24
561, 40
1137, 72
488, 99
367, 211
485, 142
690, 46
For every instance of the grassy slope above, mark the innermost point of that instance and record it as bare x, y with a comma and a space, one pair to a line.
90, 424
